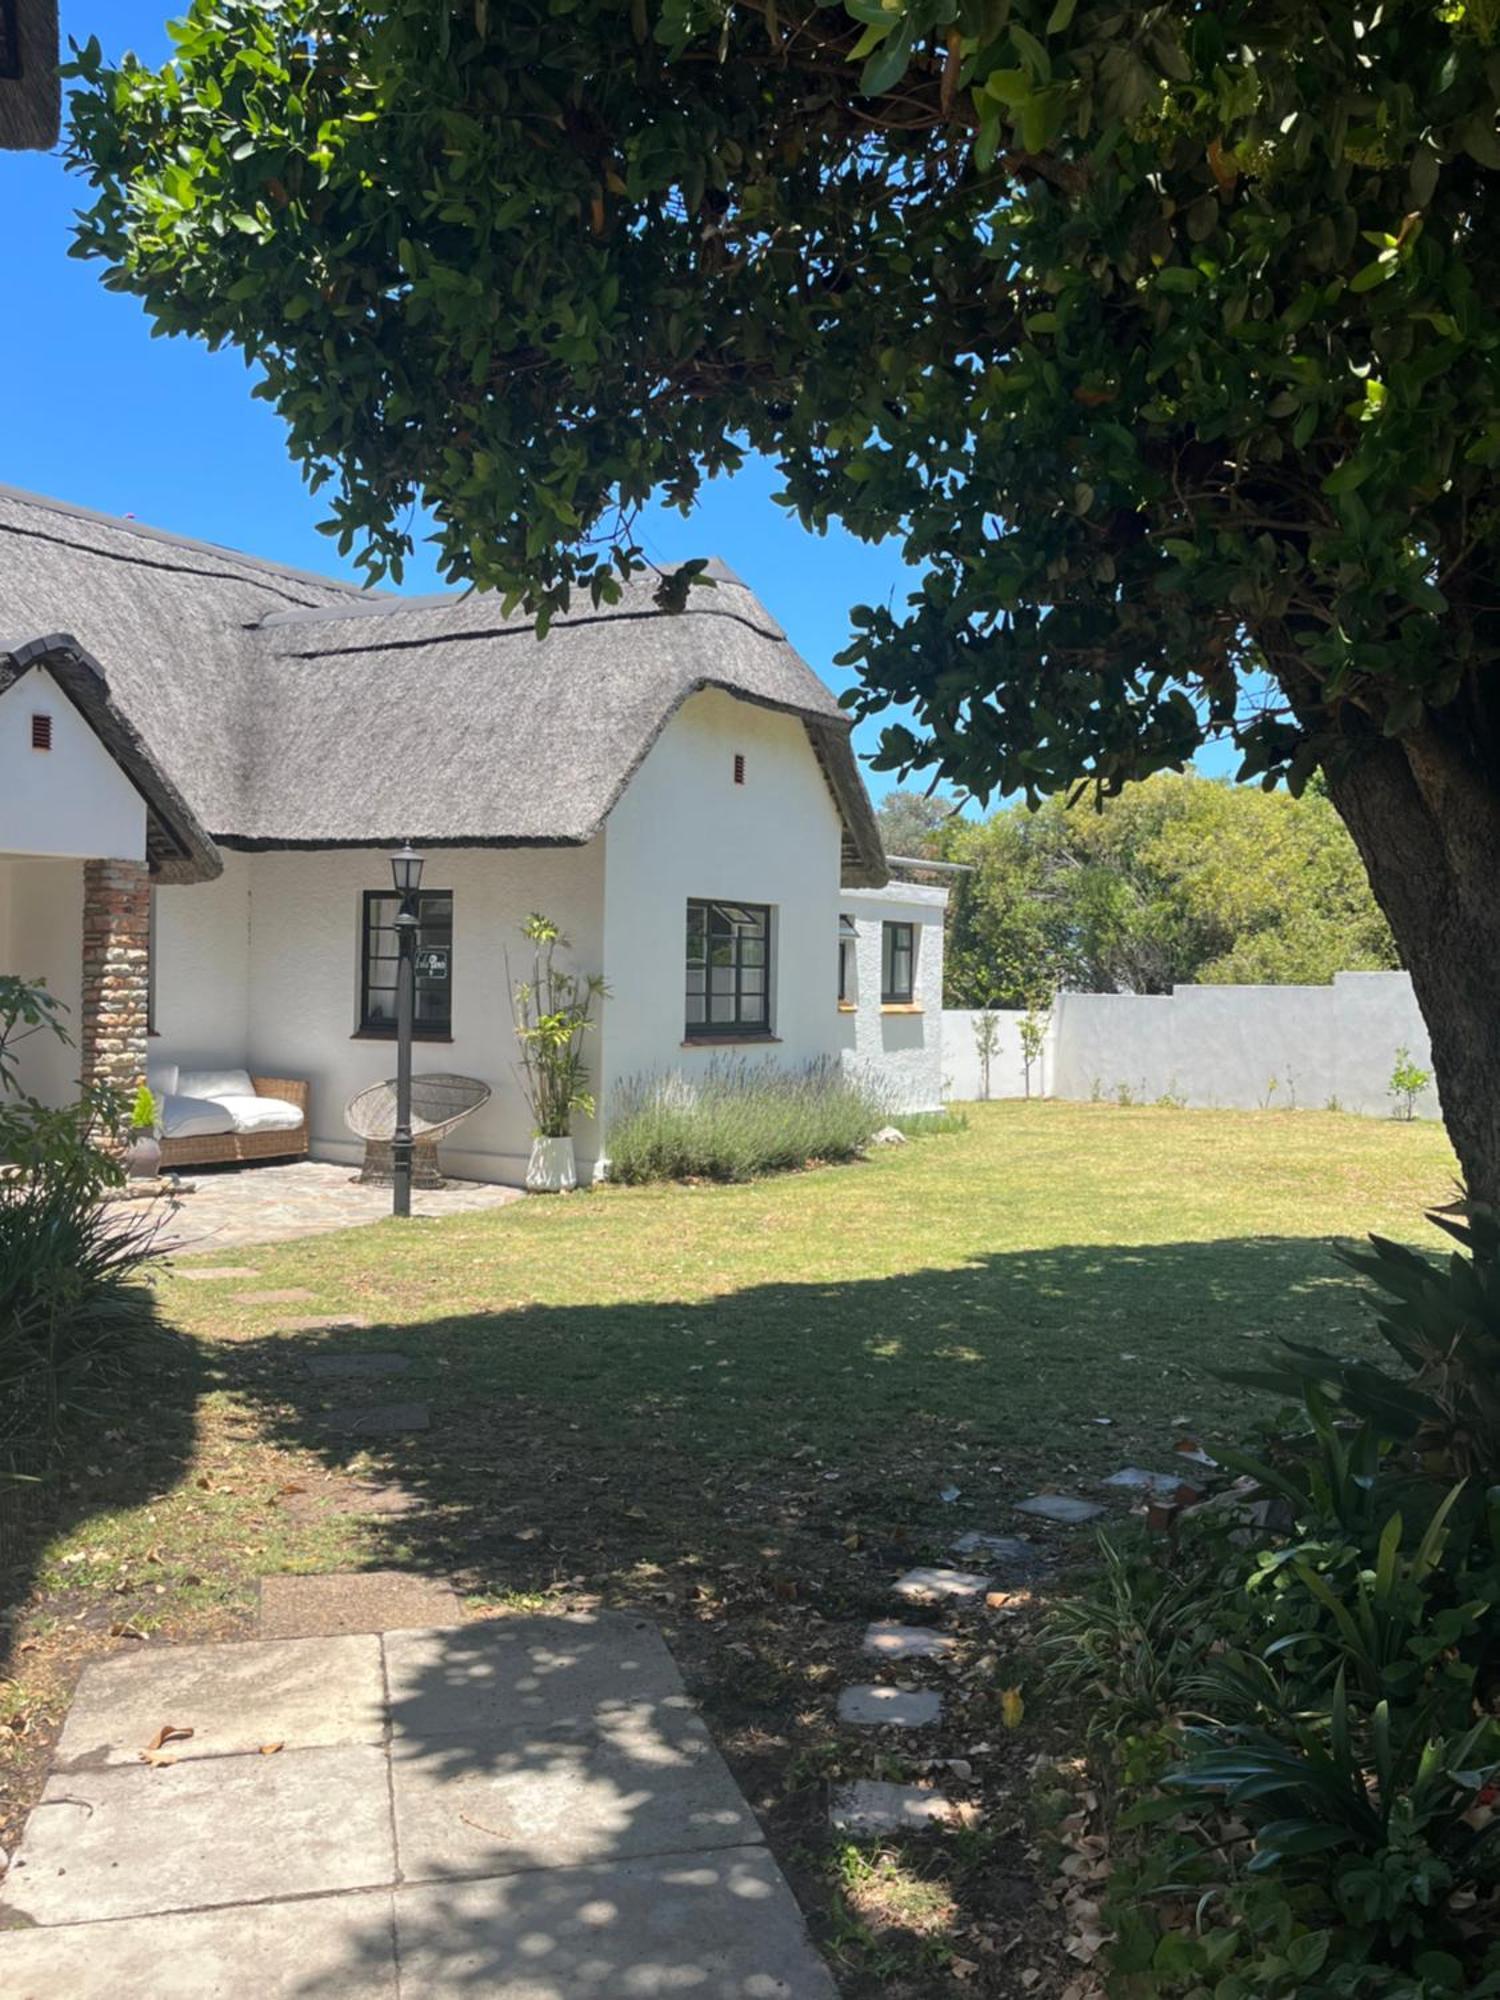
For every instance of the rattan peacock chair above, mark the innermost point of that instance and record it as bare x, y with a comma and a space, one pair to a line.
439, 1102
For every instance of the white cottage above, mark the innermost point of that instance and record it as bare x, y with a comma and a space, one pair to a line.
205, 758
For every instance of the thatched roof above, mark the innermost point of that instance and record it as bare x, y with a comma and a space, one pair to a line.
298, 712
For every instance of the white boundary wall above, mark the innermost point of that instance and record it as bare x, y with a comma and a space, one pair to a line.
1218, 1047
962, 1077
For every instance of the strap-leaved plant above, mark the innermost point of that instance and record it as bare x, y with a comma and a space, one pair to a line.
553, 1010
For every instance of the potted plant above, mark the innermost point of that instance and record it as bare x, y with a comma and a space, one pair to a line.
553, 1010
143, 1146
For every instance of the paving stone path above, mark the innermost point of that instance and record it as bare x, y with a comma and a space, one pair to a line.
237, 1207
523, 1808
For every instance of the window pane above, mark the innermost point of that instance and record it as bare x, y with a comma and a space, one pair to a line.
722, 980
753, 951
695, 1013
753, 1008
695, 979
722, 1009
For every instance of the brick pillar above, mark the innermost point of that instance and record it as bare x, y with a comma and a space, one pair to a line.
116, 969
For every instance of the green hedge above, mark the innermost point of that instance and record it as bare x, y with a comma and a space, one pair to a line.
739, 1119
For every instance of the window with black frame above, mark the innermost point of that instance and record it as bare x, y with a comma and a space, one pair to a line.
433, 1011
898, 960
728, 969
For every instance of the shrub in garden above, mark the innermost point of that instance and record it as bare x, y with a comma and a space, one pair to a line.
1305, 1732
75, 1318
738, 1119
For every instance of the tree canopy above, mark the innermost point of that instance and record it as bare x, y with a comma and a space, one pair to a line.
1180, 881
1163, 339
1159, 334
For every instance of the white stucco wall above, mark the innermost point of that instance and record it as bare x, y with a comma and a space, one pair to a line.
1245, 1047
904, 1050
963, 1079
202, 982
684, 829
70, 800
41, 938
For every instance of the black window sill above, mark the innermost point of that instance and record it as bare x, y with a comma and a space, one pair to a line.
730, 1041
389, 1035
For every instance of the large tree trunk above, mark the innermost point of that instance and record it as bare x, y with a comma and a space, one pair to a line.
1426, 820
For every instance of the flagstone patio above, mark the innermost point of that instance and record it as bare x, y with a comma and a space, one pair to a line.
524, 1808
234, 1207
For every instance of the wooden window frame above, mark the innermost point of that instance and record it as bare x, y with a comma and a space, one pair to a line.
385, 1031
739, 1029
892, 995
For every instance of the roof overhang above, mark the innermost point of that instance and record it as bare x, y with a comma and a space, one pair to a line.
177, 847
30, 92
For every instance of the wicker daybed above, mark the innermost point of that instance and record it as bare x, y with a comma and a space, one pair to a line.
208, 1149
439, 1101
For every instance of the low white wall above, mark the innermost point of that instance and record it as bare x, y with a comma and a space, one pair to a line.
963, 1077
1230, 1047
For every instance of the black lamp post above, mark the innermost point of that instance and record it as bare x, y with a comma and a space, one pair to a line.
406, 873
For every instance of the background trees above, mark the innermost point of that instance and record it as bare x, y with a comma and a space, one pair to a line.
1179, 880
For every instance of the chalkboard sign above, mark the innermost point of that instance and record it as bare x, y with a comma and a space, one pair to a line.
432, 961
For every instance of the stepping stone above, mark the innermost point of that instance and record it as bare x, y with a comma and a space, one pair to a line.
355, 1367
201, 1273
374, 1600
889, 1707
290, 1296
1133, 1476
869, 1807
321, 1323
370, 1420
890, 1641
936, 1586
995, 1548
301, 1693
1059, 1507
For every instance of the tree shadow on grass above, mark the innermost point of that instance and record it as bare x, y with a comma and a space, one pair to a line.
753, 1470
134, 1444
620, 1443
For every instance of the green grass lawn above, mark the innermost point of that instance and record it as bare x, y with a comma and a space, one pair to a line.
740, 1407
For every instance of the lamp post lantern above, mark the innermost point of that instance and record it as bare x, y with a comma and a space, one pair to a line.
406, 873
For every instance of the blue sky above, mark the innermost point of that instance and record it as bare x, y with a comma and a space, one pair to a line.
99, 413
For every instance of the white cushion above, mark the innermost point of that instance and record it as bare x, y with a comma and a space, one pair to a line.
215, 1083
261, 1114
193, 1118
161, 1079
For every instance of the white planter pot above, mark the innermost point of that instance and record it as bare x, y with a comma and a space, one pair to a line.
552, 1168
